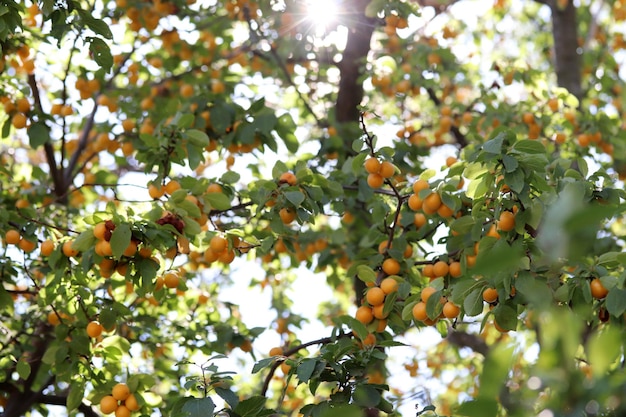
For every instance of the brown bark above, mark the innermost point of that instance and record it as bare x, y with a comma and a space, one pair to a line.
352, 65
567, 53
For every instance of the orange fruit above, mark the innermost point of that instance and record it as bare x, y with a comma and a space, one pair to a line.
375, 180
285, 368
122, 411
451, 160
53, 318
378, 312
94, 329
68, 250
598, 290
12, 237
415, 202
506, 222
431, 203
214, 188
372, 165
171, 280
427, 271
440, 269
276, 351
100, 230
120, 391
451, 310
375, 296
387, 169
171, 186
288, 178
490, 295
155, 191
108, 404
131, 249
287, 215
19, 120
370, 340
131, 403
426, 293
419, 220
389, 285
364, 314
419, 311
47, 247
455, 269
27, 245
391, 266
420, 185
218, 244
493, 232
381, 325
445, 211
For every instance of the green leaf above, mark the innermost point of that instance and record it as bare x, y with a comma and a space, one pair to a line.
342, 410
506, 317
23, 368
99, 26
262, 364
120, 239
365, 273
198, 407
38, 134
529, 146
604, 349
84, 241
227, 395
366, 396
286, 128
495, 370
305, 369
197, 138
101, 53
218, 201
473, 303
250, 407
75, 396
480, 407
494, 145
616, 301
230, 177
295, 197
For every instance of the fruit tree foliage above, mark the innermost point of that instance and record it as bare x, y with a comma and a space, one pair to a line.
450, 168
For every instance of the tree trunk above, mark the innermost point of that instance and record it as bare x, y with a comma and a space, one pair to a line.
567, 52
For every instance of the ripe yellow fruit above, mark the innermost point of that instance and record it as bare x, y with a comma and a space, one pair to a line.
47, 247
122, 411
68, 250
375, 296
386, 169
372, 165
389, 285
100, 230
379, 313
440, 269
27, 245
288, 178
451, 310
391, 266
287, 215
420, 185
375, 180
506, 222
171, 186
426, 293
94, 329
171, 280
218, 244
598, 290
155, 191
276, 351
131, 403
431, 203
120, 391
419, 311
415, 202
12, 237
364, 314
108, 404
455, 269
490, 295
19, 120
